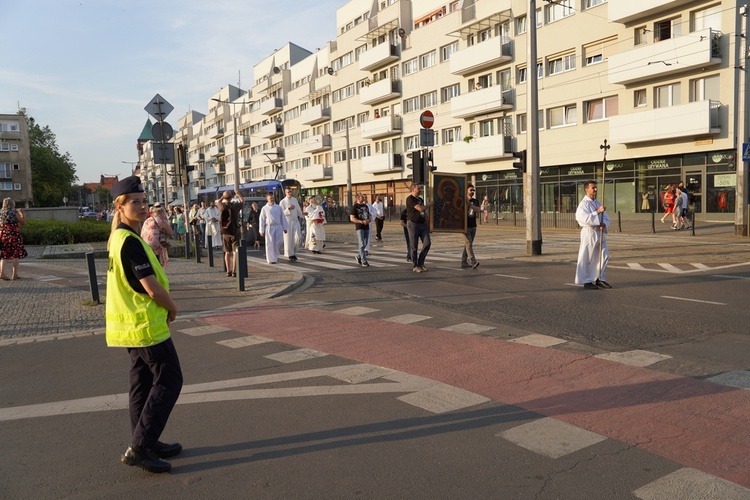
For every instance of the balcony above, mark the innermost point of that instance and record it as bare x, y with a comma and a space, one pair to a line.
685, 121
382, 164
378, 56
315, 114
271, 106
482, 102
382, 91
317, 143
221, 152
674, 55
490, 53
201, 157
247, 162
381, 127
217, 132
243, 141
624, 11
272, 130
317, 172
492, 147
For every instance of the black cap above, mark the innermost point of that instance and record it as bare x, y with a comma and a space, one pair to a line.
128, 185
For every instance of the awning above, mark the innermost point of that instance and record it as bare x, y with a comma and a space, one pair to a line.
207, 191
428, 16
475, 27
381, 30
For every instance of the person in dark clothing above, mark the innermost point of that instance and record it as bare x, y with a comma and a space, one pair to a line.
229, 220
406, 235
418, 227
360, 216
471, 229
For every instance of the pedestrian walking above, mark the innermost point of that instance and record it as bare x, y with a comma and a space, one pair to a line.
316, 232
360, 216
593, 254
230, 228
273, 226
467, 257
139, 310
212, 225
293, 213
13, 249
379, 217
417, 224
669, 197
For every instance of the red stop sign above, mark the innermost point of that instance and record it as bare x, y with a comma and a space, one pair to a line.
426, 119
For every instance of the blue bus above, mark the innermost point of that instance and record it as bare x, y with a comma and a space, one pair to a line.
252, 191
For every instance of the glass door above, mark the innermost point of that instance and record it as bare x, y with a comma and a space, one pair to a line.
694, 185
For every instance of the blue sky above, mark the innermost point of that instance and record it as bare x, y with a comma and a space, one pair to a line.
88, 68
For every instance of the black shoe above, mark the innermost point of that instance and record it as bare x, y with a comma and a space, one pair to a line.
475, 265
166, 450
365, 264
603, 284
359, 260
590, 286
146, 459
465, 265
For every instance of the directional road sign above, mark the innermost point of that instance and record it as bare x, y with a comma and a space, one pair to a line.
746, 151
426, 137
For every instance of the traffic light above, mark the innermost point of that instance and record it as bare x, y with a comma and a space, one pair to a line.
428, 162
519, 161
417, 166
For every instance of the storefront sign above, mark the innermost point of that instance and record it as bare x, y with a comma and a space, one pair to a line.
725, 180
620, 166
661, 163
578, 170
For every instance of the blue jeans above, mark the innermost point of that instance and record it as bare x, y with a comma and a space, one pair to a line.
418, 231
363, 236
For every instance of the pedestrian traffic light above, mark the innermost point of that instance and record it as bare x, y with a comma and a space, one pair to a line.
520, 160
428, 162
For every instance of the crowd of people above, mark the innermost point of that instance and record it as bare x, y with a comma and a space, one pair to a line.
676, 201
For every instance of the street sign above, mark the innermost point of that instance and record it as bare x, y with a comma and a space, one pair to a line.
162, 131
746, 151
427, 119
426, 137
163, 153
159, 108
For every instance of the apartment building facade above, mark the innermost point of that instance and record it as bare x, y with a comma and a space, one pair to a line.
15, 160
657, 79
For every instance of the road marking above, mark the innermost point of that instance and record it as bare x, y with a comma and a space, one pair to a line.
514, 277
203, 330
730, 276
672, 269
693, 300
357, 311
468, 328
246, 341
295, 355
551, 438
408, 319
691, 483
635, 357
443, 398
738, 378
538, 340
669, 268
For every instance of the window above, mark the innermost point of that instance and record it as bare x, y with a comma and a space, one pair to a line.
14, 147
411, 66
521, 25
486, 128
5, 170
704, 89
667, 95
709, 17
363, 117
600, 109
448, 93
4, 146
664, 30
451, 135
521, 75
598, 51
539, 70
17, 186
411, 142
558, 10
587, 4
364, 151
539, 18
427, 60
563, 116
428, 99
343, 93
6, 186
339, 156
411, 105
639, 35
521, 124
446, 51
558, 64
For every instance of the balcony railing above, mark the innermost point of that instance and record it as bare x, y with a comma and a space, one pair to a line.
316, 172
271, 106
382, 164
624, 11
381, 91
218, 132
271, 130
317, 143
695, 119
491, 147
381, 127
378, 56
243, 141
482, 102
674, 55
483, 55
315, 114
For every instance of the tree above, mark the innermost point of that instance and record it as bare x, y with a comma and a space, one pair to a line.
52, 173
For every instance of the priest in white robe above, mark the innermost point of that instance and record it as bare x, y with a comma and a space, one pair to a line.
316, 218
292, 212
273, 226
593, 254
212, 225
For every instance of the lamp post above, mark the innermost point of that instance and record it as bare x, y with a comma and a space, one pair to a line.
132, 165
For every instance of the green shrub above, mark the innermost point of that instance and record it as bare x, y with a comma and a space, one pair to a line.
50, 232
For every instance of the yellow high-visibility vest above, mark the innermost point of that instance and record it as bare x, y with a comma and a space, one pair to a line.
132, 319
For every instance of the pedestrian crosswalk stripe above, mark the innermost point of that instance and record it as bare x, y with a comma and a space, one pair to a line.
295, 355
357, 310
551, 438
470, 328
408, 319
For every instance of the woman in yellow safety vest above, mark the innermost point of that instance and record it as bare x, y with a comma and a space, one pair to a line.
138, 312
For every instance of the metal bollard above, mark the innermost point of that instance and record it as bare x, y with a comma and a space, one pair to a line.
240, 260
692, 225
653, 222
210, 251
197, 248
187, 245
619, 221
93, 285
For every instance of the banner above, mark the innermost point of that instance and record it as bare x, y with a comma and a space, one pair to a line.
449, 197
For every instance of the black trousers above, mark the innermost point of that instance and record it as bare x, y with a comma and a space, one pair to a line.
379, 226
155, 385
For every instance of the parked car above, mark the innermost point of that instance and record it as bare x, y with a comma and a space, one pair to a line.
89, 215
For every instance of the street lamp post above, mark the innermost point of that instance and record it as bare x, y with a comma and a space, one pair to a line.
236, 158
132, 165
